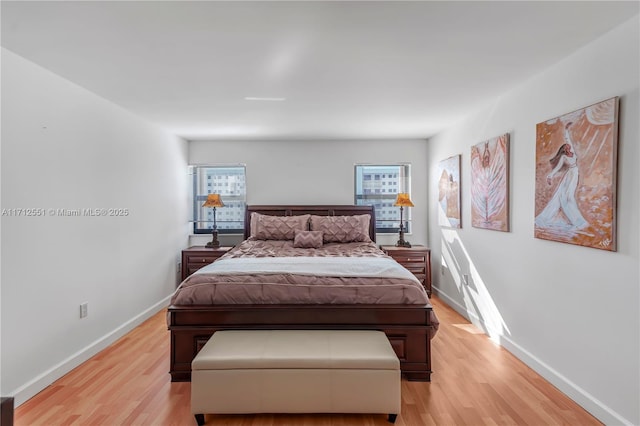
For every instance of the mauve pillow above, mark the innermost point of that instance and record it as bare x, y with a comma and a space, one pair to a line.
308, 239
254, 223
279, 227
342, 229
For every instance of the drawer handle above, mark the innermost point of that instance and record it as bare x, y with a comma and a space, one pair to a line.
204, 260
417, 259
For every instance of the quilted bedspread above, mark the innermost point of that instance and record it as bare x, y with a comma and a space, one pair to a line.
360, 274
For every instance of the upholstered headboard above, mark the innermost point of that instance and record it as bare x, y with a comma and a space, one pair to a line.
316, 210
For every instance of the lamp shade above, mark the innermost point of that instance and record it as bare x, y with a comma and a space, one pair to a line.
403, 200
213, 200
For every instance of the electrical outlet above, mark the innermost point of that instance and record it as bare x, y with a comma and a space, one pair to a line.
179, 267
465, 279
84, 310
442, 270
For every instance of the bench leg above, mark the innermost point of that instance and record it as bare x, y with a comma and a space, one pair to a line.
392, 418
199, 419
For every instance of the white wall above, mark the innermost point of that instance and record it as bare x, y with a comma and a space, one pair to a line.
570, 312
65, 148
316, 172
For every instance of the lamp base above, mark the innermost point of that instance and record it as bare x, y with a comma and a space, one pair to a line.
214, 243
403, 243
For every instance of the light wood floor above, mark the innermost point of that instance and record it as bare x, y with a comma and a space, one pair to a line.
475, 382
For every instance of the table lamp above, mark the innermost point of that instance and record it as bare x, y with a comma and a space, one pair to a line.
214, 200
403, 201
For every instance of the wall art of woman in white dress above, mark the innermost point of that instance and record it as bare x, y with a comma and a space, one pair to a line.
576, 153
562, 210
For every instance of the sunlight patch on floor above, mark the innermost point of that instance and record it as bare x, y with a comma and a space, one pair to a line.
469, 328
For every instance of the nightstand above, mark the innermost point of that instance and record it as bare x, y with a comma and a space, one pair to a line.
416, 259
196, 257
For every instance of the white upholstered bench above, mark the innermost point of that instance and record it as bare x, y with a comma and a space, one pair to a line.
295, 371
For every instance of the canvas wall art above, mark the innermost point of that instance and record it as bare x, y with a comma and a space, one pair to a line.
490, 184
576, 156
449, 192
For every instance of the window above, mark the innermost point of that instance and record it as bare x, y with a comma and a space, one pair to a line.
369, 180
230, 184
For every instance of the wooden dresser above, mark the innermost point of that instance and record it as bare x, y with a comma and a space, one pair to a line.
416, 259
196, 257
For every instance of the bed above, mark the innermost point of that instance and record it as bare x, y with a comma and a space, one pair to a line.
405, 315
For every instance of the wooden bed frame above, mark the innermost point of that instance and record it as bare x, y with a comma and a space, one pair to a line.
408, 327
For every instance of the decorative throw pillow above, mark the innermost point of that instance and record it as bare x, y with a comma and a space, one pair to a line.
254, 224
342, 229
308, 239
280, 227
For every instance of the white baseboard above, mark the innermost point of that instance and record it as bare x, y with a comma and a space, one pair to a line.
30, 389
587, 401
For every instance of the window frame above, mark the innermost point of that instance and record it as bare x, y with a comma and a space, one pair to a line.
403, 184
210, 187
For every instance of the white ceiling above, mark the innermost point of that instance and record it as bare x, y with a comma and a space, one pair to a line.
347, 69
